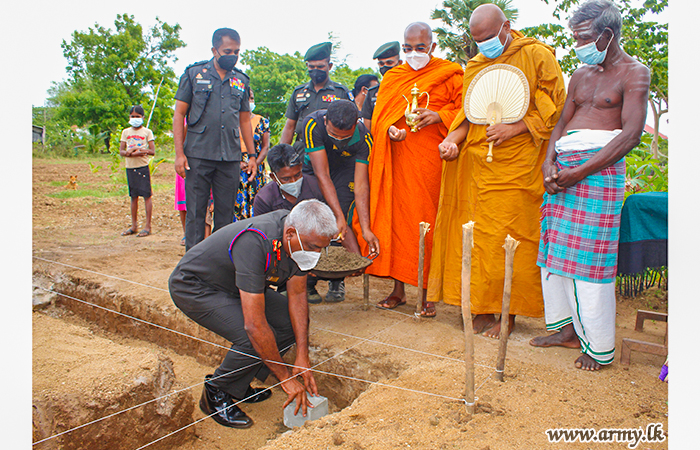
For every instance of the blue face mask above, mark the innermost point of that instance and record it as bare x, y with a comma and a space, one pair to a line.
589, 53
492, 48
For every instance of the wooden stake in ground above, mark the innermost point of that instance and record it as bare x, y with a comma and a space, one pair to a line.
467, 244
365, 291
510, 246
423, 228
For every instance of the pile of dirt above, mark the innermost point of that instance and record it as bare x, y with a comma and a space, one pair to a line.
337, 259
67, 394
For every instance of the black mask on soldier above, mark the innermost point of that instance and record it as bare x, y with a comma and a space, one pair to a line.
318, 76
384, 69
340, 143
227, 62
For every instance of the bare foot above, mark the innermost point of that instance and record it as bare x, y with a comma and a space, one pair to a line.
495, 331
483, 321
566, 337
585, 362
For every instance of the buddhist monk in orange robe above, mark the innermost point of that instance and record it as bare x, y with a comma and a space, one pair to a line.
405, 166
501, 197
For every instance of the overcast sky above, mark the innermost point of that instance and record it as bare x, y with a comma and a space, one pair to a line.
282, 26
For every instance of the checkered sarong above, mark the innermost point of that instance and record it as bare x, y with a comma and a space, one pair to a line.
580, 227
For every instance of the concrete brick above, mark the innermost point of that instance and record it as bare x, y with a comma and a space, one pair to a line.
320, 409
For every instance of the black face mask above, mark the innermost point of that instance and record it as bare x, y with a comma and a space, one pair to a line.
340, 143
318, 76
384, 69
227, 62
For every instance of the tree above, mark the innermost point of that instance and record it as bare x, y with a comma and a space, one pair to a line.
111, 70
455, 36
273, 77
645, 40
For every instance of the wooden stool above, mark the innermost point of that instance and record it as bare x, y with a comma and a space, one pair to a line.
641, 346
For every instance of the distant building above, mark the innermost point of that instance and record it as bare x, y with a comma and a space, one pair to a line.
37, 134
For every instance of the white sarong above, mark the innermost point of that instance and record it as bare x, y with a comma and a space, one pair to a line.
589, 306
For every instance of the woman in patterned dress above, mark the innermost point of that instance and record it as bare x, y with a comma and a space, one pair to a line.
248, 188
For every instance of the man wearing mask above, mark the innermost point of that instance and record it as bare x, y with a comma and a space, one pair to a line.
213, 98
289, 185
317, 94
387, 56
405, 166
224, 283
337, 153
502, 197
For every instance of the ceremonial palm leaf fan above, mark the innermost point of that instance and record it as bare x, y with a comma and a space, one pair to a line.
498, 94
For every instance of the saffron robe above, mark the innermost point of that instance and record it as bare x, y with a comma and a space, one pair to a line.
502, 197
404, 176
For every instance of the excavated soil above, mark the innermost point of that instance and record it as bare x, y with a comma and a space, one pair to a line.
393, 381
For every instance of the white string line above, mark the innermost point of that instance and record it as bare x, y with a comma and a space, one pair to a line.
313, 369
277, 384
102, 274
148, 323
400, 347
142, 404
330, 331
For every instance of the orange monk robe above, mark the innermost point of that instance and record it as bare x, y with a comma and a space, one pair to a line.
405, 176
502, 197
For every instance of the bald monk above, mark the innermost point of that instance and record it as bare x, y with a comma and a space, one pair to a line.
584, 175
504, 196
404, 170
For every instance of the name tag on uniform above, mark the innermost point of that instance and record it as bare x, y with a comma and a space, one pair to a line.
273, 279
238, 84
329, 98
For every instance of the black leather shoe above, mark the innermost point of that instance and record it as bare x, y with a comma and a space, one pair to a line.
258, 394
219, 403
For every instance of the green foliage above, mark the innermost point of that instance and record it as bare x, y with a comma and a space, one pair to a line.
644, 173
455, 36
343, 74
273, 78
115, 160
94, 168
154, 163
111, 70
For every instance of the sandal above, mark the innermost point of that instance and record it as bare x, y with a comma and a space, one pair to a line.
428, 310
128, 232
182, 242
144, 233
391, 302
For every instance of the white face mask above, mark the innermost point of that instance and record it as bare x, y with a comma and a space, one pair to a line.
252, 106
305, 260
136, 122
293, 188
417, 60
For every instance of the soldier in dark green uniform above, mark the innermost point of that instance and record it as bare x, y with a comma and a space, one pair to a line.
317, 94
213, 97
387, 56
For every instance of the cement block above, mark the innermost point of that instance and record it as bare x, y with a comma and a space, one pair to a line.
320, 409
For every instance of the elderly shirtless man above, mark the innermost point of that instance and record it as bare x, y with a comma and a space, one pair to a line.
584, 176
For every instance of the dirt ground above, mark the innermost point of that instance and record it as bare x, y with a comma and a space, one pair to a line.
416, 366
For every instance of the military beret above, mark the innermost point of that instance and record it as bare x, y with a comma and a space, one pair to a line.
318, 52
387, 50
